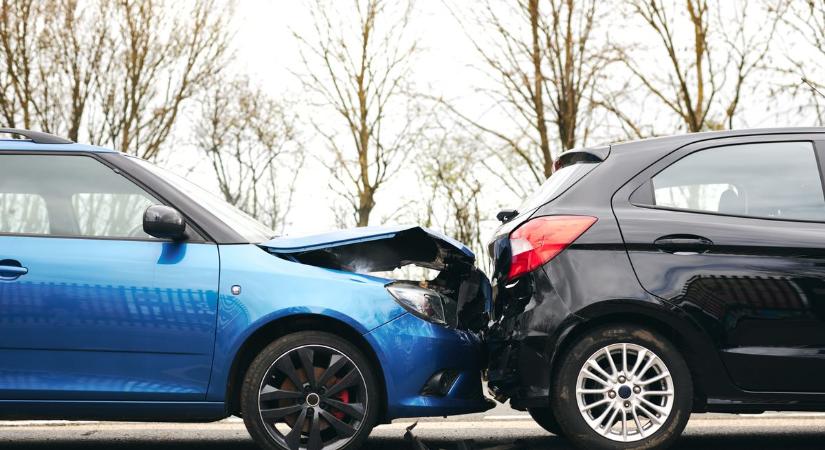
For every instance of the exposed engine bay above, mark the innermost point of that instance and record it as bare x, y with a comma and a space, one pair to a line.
465, 292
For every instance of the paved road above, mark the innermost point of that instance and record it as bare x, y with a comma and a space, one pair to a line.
499, 429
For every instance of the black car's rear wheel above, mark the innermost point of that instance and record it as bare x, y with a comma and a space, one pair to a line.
622, 387
310, 391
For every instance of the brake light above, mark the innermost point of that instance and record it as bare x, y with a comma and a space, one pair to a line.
539, 240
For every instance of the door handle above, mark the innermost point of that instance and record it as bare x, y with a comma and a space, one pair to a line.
11, 269
683, 244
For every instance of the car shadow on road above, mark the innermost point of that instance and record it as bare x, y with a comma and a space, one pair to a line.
728, 441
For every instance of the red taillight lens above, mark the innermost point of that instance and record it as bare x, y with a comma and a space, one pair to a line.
539, 240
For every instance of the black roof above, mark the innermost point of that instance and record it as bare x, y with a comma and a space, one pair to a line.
679, 140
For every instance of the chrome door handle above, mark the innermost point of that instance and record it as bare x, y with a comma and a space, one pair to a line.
12, 269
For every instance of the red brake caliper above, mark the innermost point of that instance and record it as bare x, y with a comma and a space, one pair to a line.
342, 397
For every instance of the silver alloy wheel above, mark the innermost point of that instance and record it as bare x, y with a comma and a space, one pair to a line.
313, 397
625, 392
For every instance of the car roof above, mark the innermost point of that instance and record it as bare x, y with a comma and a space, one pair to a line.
38, 140
667, 143
25, 144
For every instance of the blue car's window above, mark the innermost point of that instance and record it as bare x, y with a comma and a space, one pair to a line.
107, 214
75, 196
23, 214
242, 223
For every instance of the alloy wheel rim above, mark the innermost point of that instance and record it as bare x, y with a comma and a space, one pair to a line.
625, 392
313, 397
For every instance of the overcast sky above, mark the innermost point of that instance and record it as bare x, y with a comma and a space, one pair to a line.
267, 53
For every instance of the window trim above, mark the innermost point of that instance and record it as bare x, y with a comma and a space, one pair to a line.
818, 147
194, 234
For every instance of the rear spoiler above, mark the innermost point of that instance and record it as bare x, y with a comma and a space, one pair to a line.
579, 155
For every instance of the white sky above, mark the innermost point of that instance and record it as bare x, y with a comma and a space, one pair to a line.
267, 51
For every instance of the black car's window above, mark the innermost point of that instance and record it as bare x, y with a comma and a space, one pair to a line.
69, 196
554, 186
770, 180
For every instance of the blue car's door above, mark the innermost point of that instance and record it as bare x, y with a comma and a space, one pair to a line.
90, 306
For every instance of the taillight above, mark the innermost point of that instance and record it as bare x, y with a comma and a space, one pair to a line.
539, 240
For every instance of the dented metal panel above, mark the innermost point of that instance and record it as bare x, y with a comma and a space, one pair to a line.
372, 249
464, 289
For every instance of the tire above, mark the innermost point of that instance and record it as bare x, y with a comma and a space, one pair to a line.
545, 418
658, 390
284, 409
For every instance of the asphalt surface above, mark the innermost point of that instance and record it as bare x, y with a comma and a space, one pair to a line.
498, 429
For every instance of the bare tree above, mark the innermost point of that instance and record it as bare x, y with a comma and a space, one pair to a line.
78, 45
252, 145
21, 26
806, 21
701, 83
358, 63
449, 173
163, 53
120, 69
51, 55
545, 59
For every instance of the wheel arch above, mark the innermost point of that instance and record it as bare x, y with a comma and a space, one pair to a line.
692, 342
277, 328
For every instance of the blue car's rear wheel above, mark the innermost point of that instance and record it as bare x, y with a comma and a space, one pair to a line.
310, 391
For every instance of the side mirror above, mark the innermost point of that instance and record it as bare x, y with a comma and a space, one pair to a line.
164, 222
506, 215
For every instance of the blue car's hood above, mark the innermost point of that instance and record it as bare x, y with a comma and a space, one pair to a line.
370, 249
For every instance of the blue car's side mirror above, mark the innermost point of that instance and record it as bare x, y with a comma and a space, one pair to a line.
164, 222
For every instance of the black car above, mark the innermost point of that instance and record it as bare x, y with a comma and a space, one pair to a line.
648, 280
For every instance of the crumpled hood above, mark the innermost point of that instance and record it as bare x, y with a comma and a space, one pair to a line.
374, 249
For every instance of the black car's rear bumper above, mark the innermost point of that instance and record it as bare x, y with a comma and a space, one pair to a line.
518, 372
524, 339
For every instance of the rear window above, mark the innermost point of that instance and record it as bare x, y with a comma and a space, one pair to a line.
559, 182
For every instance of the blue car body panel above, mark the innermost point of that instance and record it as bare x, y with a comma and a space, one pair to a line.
138, 329
98, 319
411, 351
273, 288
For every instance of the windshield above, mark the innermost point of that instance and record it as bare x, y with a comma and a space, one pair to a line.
556, 185
241, 222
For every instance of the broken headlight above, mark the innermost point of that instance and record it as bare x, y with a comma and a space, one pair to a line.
424, 303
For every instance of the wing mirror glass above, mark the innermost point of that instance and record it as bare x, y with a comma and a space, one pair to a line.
164, 222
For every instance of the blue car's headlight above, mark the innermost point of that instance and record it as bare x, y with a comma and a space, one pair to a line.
424, 303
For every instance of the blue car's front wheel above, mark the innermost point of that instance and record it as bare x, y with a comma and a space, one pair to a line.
310, 390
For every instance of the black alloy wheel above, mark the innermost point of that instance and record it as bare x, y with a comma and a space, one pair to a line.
310, 391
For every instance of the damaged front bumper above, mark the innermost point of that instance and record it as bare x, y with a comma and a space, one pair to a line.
433, 370
432, 356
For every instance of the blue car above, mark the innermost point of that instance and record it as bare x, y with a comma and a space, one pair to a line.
128, 293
